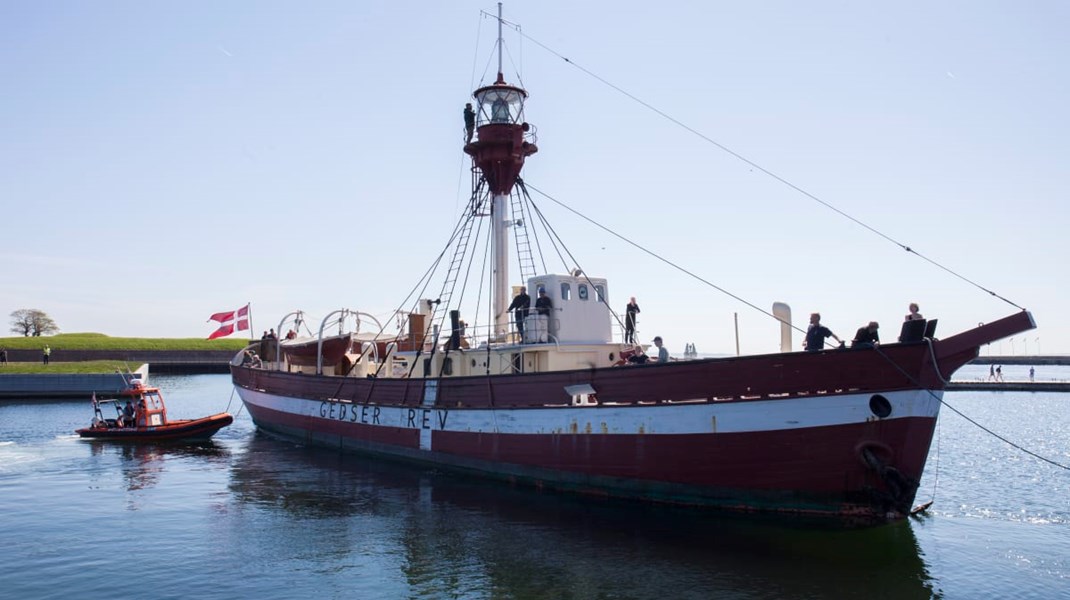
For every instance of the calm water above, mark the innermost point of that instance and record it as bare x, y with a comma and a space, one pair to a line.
250, 516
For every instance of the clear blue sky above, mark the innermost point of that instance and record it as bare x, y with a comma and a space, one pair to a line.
163, 161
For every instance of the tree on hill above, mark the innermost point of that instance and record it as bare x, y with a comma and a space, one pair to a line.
32, 322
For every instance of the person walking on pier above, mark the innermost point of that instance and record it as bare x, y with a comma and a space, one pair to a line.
47, 352
1032, 371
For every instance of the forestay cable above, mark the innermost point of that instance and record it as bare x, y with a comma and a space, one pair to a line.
755, 165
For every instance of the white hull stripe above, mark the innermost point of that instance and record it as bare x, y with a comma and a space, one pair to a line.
737, 417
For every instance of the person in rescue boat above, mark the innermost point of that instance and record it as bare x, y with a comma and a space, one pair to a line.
128, 415
816, 334
866, 336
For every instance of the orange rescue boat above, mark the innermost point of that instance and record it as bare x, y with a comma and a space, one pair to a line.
141, 415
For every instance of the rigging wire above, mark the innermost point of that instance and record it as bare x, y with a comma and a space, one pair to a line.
759, 309
464, 284
767, 172
490, 299
932, 356
661, 258
1000, 437
553, 235
424, 280
554, 238
527, 219
936, 467
471, 86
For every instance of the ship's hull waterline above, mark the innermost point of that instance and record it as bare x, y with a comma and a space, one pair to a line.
837, 432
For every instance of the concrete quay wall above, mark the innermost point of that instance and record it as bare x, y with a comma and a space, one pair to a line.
65, 385
162, 361
1008, 386
1021, 360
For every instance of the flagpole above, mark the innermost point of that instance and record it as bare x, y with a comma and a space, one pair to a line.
249, 305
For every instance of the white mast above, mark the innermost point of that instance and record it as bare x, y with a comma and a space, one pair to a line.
499, 150
500, 235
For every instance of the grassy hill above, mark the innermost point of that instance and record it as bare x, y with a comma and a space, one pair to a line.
99, 341
88, 366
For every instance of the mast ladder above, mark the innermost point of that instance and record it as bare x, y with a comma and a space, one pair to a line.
457, 262
523, 244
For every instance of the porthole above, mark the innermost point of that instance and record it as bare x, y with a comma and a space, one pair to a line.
880, 406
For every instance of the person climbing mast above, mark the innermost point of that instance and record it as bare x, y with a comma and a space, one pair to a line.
469, 123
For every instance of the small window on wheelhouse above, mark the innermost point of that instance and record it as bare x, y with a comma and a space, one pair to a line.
601, 293
566, 291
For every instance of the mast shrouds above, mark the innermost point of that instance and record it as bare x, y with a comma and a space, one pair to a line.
499, 151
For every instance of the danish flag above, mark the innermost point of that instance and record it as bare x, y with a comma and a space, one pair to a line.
230, 321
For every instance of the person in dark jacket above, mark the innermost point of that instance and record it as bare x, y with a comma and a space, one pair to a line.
520, 305
816, 334
630, 313
469, 123
543, 305
866, 337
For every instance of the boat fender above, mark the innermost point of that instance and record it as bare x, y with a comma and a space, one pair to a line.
874, 454
900, 487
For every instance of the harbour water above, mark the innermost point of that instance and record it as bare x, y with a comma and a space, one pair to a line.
251, 516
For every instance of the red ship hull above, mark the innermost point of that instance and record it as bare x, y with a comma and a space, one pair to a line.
836, 432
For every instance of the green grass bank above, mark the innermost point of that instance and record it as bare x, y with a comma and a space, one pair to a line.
99, 341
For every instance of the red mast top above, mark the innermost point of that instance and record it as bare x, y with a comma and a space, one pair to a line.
500, 149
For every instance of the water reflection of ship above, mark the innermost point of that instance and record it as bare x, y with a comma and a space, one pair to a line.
454, 531
142, 464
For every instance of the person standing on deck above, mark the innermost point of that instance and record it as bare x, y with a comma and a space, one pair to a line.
630, 313
817, 333
543, 305
520, 305
914, 315
663, 352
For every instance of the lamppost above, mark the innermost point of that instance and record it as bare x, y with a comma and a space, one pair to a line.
1012, 346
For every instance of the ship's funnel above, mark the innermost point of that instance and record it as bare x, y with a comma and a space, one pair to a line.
782, 312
